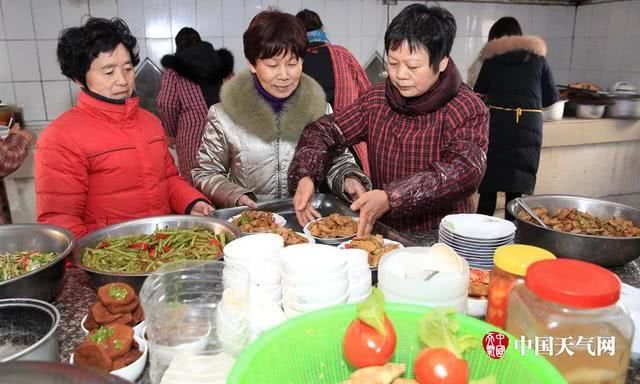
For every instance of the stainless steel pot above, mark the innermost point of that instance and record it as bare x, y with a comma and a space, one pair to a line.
28, 330
604, 251
589, 111
627, 101
43, 283
143, 226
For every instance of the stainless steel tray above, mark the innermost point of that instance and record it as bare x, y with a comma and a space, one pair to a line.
325, 204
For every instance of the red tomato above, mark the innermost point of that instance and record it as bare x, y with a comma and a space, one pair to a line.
140, 245
364, 346
440, 366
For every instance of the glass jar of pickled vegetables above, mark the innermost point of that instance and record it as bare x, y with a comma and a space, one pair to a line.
510, 267
569, 312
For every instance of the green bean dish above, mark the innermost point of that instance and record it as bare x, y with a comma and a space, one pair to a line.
146, 253
15, 264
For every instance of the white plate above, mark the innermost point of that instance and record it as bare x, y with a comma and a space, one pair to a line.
277, 219
333, 240
443, 234
476, 226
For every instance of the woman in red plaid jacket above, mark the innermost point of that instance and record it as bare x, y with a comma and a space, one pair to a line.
426, 132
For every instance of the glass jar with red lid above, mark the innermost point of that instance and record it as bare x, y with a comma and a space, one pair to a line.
569, 312
510, 267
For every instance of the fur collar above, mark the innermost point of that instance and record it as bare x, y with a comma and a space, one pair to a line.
244, 105
497, 47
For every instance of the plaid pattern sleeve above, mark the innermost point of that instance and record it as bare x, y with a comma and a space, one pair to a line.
459, 169
324, 139
168, 102
13, 151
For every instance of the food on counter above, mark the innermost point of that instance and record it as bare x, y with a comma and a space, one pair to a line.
370, 339
14, 264
573, 221
585, 85
478, 282
255, 221
290, 236
117, 304
374, 244
108, 348
146, 253
386, 374
334, 226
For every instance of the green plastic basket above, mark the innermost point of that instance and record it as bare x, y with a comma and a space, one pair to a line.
308, 349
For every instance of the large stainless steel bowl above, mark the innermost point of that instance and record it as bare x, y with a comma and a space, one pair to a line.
605, 251
43, 283
143, 226
28, 330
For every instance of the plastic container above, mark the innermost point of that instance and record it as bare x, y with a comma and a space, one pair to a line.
181, 302
308, 349
569, 310
511, 263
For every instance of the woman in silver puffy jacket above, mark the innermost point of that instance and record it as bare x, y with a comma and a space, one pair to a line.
251, 135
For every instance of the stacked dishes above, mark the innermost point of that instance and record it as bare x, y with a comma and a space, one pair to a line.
433, 276
259, 254
359, 275
231, 319
314, 276
476, 237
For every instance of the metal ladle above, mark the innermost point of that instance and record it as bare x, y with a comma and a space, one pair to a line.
530, 212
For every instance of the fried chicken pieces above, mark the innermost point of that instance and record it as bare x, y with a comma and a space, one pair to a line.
117, 304
108, 348
374, 244
334, 226
255, 222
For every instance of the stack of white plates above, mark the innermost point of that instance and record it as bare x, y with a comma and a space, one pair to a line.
359, 275
431, 276
314, 276
260, 255
476, 237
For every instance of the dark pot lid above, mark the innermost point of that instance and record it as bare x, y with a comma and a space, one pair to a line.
23, 372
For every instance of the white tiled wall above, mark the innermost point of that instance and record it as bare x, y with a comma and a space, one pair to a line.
607, 43
32, 27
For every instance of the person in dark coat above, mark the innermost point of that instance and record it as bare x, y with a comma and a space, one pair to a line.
518, 83
190, 85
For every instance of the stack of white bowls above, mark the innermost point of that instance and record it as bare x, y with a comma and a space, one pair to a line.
359, 275
433, 276
314, 276
260, 255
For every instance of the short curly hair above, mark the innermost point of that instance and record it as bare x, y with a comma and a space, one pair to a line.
79, 46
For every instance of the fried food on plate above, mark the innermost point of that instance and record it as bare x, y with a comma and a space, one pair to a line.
334, 226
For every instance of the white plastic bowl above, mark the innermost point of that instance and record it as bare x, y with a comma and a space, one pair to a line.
132, 371
138, 330
358, 299
315, 294
356, 258
300, 307
360, 288
257, 246
457, 303
320, 277
310, 259
477, 307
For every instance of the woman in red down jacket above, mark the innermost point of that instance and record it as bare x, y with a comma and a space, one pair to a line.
106, 160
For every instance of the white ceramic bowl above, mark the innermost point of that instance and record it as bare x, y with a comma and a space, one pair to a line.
138, 330
277, 219
255, 247
310, 259
301, 307
132, 371
477, 307
360, 288
457, 303
356, 258
359, 299
343, 246
303, 279
315, 294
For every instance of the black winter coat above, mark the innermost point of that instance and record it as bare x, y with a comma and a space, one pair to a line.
515, 74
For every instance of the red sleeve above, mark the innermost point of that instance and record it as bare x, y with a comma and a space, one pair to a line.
181, 193
61, 181
168, 102
322, 140
460, 170
13, 151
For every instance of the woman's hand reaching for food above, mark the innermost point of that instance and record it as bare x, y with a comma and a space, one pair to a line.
353, 187
372, 205
201, 208
247, 201
302, 202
